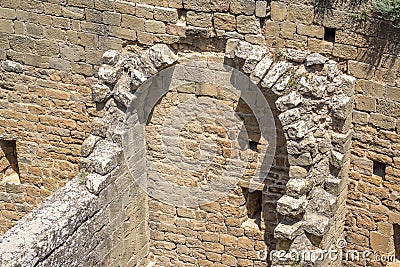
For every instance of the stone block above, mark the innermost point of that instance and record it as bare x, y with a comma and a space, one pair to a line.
7, 13
288, 230
320, 46
344, 51
248, 24
133, 23
246, 7
145, 38
360, 117
154, 26
382, 121
224, 22
380, 242
298, 187
144, 11
360, 70
311, 30
278, 11
316, 224
261, 9
287, 205
123, 33
300, 160
288, 29
365, 103
112, 18
6, 26
83, 3
169, 15
197, 5
301, 14
199, 19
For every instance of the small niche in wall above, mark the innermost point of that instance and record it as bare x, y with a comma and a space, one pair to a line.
396, 237
379, 169
9, 171
254, 208
330, 34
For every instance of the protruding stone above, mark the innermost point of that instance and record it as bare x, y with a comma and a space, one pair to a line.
275, 73
230, 48
295, 55
288, 205
261, 68
315, 59
332, 186
301, 160
95, 183
244, 50
122, 90
322, 202
109, 74
341, 106
298, 187
337, 159
111, 57
161, 55
289, 101
254, 58
11, 66
288, 230
100, 92
297, 172
297, 130
105, 157
88, 145
316, 224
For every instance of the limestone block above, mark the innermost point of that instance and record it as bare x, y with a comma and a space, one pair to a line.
315, 59
197, 5
105, 157
289, 117
365, 103
341, 106
311, 30
109, 74
95, 183
382, 121
278, 11
11, 66
298, 187
111, 57
154, 26
288, 230
100, 92
297, 172
144, 11
161, 55
301, 160
169, 15
275, 73
316, 224
224, 22
322, 202
88, 145
333, 186
380, 242
289, 101
301, 14
287, 205
295, 55
122, 90
261, 9
199, 19
256, 55
297, 130
248, 24
361, 70
262, 67
246, 7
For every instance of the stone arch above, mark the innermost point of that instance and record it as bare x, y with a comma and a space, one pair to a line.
314, 99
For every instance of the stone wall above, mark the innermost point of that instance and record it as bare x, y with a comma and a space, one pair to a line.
60, 44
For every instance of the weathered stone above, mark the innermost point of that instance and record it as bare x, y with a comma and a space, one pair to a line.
224, 21
111, 57
11, 66
342, 106
297, 172
248, 24
109, 74
315, 59
88, 145
287, 205
296, 55
105, 157
246, 7
298, 187
316, 224
322, 202
278, 11
301, 160
261, 68
95, 183
257, 53
288, 230
100, 92
161, 55
289, 101
296, 131
261, 9
275, 73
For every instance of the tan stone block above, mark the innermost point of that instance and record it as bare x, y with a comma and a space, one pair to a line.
154, 26
214, 257
168, 15
365, 103
145, 38
144, 11
6, 26
186, 213
227, 240
380, 242
288, 29
199, 19
360, 70
248, 24
383, 121
278, 11
229, 260
123, 33
301, 14
311, 30
320, 46
132, 22
246, 243
344, 51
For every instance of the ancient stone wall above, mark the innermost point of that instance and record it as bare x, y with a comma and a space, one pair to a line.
60, 44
